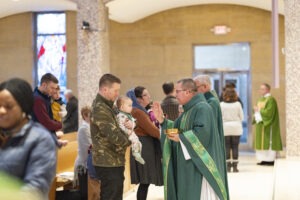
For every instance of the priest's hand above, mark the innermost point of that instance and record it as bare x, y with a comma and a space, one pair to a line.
174, 137
158, 112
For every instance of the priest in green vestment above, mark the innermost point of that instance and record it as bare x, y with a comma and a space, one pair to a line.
267, 130
203, 84
194, 159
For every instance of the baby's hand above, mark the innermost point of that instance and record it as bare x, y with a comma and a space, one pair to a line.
128, 124
129, 132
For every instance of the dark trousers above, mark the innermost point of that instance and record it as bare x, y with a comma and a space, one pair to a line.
112, 179
142, 192
232, 143
83, 185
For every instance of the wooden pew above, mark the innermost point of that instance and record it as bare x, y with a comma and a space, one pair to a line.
65, 163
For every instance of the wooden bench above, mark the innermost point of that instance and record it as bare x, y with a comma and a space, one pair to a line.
66, 157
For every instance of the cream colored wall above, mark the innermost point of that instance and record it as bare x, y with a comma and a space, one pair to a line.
17, 48
71, 51
157, 48
160, 47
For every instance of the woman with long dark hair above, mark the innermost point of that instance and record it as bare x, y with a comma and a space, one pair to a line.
148, 133
232, 114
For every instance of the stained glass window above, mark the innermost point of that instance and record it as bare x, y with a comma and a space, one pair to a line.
51, 47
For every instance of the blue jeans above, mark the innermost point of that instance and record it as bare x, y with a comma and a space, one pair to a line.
90, 166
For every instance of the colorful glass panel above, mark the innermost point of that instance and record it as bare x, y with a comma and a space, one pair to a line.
51, 47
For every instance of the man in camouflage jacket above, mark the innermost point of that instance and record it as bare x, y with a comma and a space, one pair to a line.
109, 141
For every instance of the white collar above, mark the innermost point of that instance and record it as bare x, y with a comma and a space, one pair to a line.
267, 95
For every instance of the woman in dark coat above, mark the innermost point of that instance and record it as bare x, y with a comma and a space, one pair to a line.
149, 134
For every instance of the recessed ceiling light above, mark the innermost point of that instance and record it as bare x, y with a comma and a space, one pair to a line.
15, 0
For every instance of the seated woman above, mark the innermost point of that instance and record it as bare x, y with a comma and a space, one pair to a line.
27, 149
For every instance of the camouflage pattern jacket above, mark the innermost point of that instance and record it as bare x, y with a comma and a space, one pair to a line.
109, 141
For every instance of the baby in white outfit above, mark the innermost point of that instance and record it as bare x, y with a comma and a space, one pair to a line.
124, 105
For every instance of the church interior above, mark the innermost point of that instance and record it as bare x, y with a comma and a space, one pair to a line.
150, 42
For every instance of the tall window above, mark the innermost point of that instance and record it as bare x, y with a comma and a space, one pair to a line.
51, 46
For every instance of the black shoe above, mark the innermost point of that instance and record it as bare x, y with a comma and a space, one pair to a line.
260, 163
269, 163
266, 163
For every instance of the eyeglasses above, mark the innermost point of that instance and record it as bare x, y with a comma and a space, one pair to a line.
198, 86
177, 91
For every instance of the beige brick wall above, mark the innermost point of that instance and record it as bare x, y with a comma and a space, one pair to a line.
160, 47
157, 48
17, 48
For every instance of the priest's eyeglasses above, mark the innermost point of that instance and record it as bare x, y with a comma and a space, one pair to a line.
177, 91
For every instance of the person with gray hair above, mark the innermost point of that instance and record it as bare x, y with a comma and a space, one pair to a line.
70, 121
203, 83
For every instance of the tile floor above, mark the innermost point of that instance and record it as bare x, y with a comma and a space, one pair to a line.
253, 182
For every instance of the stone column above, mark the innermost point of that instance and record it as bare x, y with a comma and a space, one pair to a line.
286, 184
93, 48
292, 53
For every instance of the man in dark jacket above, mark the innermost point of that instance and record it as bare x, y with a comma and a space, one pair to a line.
70, 121
170, 104
42, 111
109, 141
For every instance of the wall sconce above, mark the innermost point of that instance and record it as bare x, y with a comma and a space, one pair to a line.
220, 30
86, 27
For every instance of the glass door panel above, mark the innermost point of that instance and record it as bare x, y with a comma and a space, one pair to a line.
241, 81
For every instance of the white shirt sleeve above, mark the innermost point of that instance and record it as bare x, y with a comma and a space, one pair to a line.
185, 151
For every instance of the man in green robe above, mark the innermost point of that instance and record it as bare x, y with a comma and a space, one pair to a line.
203, 84
193, 160
267, 130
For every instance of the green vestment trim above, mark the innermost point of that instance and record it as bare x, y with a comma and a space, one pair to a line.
203, 154
207, 160
166, 160
183, 178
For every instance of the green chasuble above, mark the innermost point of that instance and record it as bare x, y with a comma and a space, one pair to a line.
217, 113
214, 102
199, 134
269, 126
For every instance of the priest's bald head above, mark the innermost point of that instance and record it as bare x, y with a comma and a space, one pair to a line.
203, 83
264, 89
185, 90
